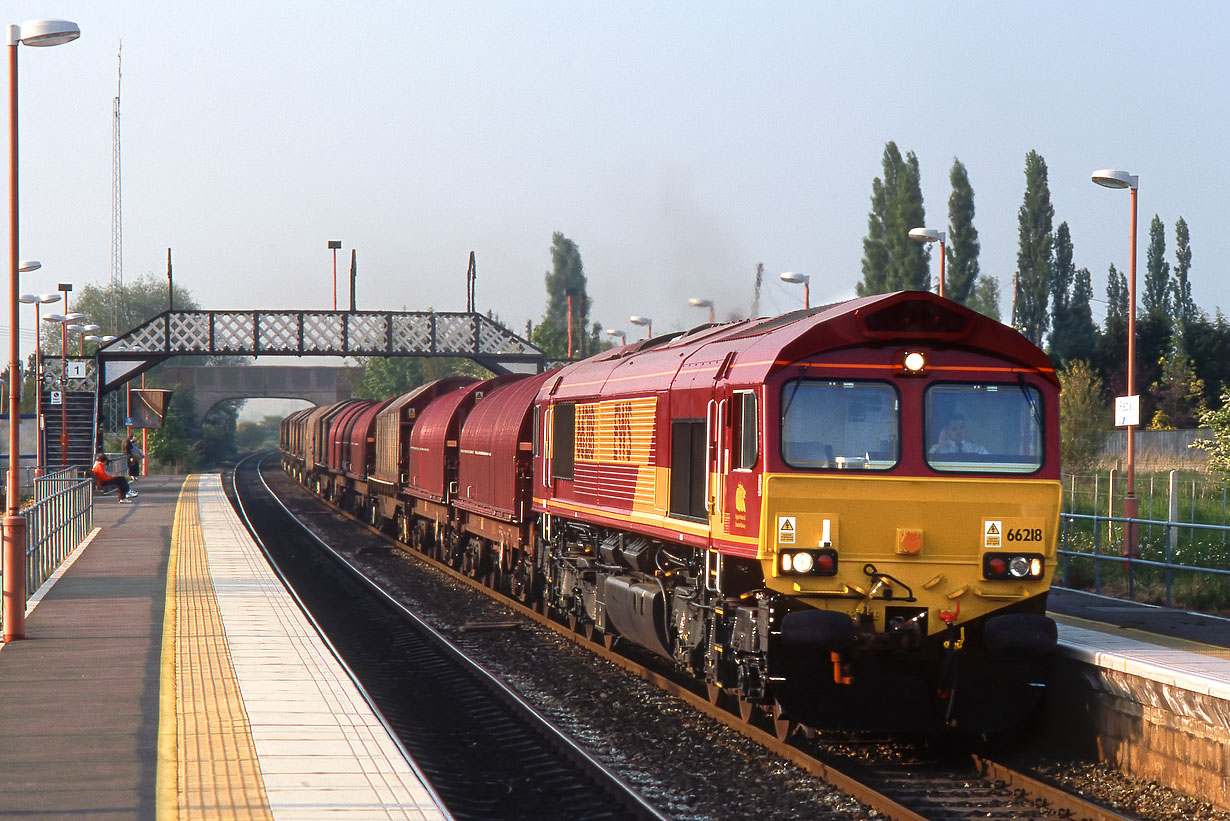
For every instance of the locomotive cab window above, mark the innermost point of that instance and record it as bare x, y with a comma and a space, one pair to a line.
745, 427
828, 424
986, 428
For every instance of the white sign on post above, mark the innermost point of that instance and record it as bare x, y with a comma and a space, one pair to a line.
1127, 411
75, 370
56, 397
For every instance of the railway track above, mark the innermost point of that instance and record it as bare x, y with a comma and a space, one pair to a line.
972, 787
487, 753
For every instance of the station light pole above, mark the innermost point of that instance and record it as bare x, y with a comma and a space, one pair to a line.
800, 279
13, 532
644, 321
1112, 178
703, 303
38, 301
334, 245
932, 235
623, 336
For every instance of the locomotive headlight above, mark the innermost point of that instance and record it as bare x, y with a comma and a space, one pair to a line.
802, 563
1012, 566
914, 362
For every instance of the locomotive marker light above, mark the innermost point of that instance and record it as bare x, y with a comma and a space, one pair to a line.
931, 235
643, 320
1113, 178
914, 362
696, 302
800, 279
13, 534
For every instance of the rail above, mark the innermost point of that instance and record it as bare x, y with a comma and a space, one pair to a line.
57, 521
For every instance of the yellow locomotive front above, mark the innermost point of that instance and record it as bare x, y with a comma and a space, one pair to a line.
908, 518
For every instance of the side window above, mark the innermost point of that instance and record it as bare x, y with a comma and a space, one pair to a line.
563, 440
746, 423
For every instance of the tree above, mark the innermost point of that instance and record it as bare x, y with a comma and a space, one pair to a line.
1156, 299
1218, 447
1184, 307
985, 299
1179, 393
1063, 275
1035, 251
568, 304
891, 260
119, 310
963, 245
1082, 417
382, 377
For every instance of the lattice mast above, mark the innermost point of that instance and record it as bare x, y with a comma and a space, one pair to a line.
117, 232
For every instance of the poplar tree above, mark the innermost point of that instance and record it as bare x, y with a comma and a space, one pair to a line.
1063, 272
567, 303
891, 260
1035, 251
963, 246
1184, 308
1156, 298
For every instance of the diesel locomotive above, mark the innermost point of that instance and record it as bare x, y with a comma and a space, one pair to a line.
843, 517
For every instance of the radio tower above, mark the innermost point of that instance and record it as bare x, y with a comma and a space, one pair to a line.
117, 265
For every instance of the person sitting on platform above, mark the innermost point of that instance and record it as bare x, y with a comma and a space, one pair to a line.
103, 479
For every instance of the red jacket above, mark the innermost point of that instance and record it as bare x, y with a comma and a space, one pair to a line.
100, 472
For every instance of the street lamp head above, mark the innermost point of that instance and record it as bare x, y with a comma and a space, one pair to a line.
792, 276
640, 320
1113, 178
55, 318
46, 298
621, 334
89, 329
696, 302
73, 317
91, 338
28, 265
75, 328
45, 32
926, 235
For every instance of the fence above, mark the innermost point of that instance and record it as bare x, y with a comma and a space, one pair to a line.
57, 521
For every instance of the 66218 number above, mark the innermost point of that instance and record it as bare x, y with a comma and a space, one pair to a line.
1024, 534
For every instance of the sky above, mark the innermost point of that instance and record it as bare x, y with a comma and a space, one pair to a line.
677, 144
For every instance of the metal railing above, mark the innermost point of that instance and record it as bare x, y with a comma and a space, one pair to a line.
57, 521
1145, 559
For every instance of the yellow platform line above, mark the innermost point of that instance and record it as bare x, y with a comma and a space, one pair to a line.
1144, 636
207, 765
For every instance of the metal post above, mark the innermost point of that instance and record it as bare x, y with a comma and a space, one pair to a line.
13, 531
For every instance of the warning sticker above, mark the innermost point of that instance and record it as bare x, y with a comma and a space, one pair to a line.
992, 533
786, 529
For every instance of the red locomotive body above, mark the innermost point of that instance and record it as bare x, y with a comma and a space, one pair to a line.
844, 517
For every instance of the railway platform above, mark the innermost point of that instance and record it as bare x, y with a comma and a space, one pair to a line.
167, 673
1145, 689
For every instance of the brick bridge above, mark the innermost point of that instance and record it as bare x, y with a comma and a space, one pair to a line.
209, 385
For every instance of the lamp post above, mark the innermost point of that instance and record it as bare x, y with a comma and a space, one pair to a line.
932, 235
703, 303
38, 301
13, 565
804, 280
334, 245
643, 320
1112, 178
64, 320
623, 337
88, 329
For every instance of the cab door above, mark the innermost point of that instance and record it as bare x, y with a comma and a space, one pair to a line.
740, 413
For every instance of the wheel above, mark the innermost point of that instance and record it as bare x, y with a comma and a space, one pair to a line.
783, 726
